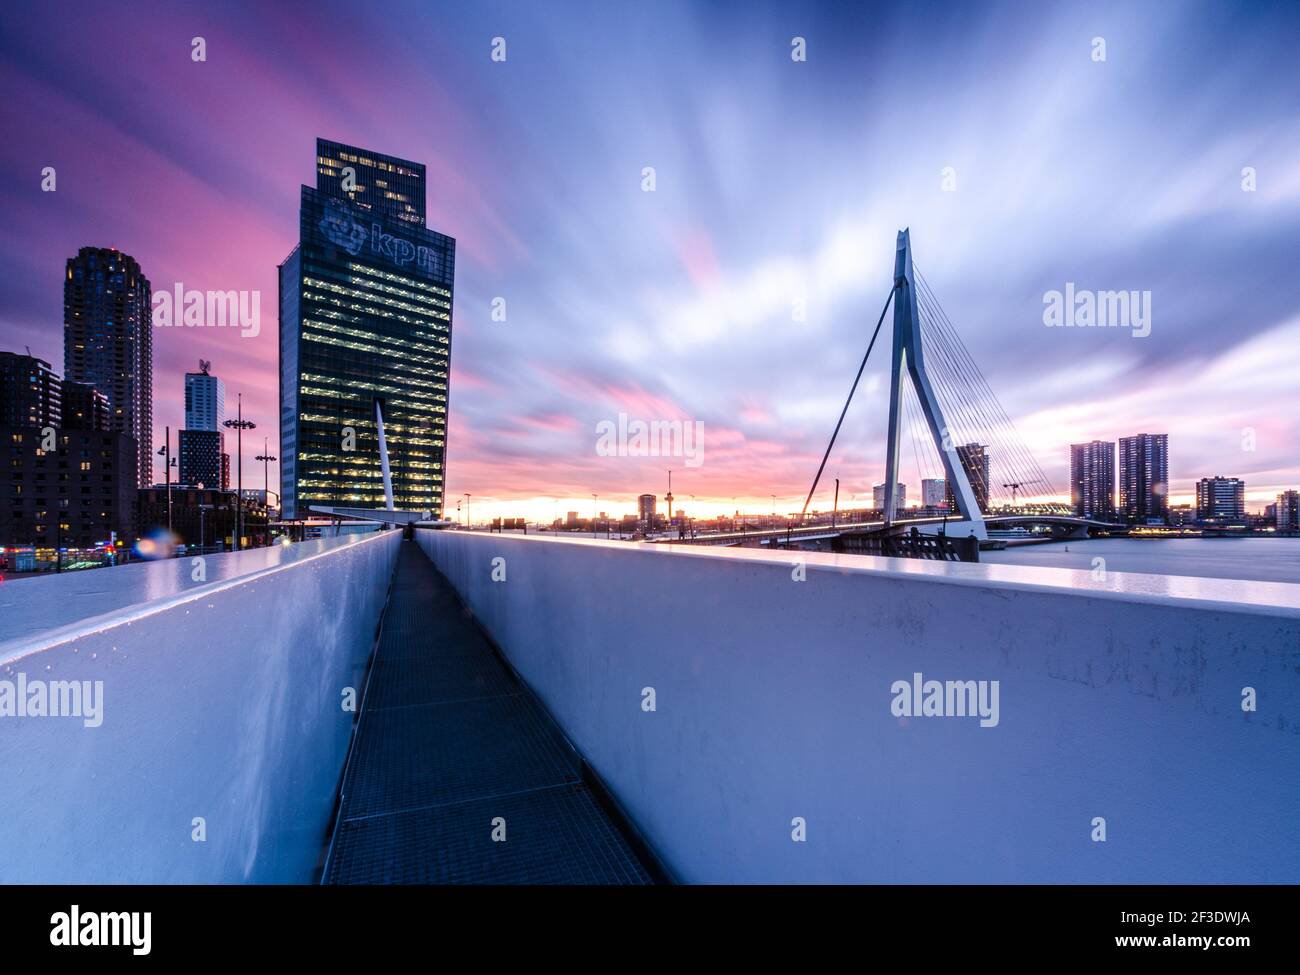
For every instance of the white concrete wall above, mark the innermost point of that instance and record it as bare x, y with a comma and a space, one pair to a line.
221, 701
1118, 699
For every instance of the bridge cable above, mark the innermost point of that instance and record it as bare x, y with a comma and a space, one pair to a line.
962, 414
915, 426
1019, 451
1014, 457
852, 390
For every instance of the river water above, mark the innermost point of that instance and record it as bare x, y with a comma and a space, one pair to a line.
1259, 558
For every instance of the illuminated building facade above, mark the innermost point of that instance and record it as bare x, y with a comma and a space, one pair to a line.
1092, 479
108, 342
365, 316
1144, 478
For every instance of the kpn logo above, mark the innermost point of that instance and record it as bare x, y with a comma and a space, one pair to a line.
339, 227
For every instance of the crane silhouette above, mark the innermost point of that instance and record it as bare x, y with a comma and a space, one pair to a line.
1017, 485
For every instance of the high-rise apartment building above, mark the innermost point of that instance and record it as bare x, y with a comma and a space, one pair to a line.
1144, 478
31, 395
108, 342
365, 319
1287, 511
974, 459
1092, 479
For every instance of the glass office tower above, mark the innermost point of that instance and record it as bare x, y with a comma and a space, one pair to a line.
365, 316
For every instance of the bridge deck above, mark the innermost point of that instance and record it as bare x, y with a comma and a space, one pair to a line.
448, 740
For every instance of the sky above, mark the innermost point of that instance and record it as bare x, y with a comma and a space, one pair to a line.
740, 292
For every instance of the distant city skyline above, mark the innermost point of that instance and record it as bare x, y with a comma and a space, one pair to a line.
740, 292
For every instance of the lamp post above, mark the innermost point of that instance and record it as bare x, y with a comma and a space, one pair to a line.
202, 508
266, 457
469, 525
239, 425
165, 451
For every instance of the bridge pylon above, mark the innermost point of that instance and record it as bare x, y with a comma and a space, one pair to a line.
908, 360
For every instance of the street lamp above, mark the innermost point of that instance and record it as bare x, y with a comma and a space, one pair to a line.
202, 508
593, 516
168, 463
468, 523
266, 457
239, 425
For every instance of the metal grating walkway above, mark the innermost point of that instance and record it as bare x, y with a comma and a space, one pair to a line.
449, 741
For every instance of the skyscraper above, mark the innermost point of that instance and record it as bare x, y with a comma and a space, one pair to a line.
1144, 478
1092, 479
365, 318
108, 342
202, 443
1220, 499
205, 400
975, 462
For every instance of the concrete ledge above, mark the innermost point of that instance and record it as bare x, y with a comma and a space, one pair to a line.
220, 715
1119, 700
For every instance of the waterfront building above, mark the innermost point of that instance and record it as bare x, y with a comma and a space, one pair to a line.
1287, 512
1220, 499
1092, 479
1144, 478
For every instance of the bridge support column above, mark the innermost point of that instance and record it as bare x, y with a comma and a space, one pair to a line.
907, 360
